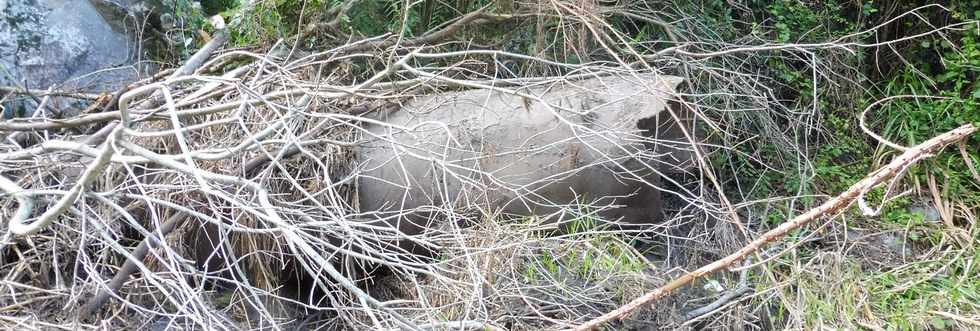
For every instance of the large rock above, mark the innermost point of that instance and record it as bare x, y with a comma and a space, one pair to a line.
45, 43
506, 153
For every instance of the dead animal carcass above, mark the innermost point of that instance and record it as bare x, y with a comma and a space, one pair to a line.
557, 150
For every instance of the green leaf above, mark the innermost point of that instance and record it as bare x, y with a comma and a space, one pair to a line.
938, 323
914, 236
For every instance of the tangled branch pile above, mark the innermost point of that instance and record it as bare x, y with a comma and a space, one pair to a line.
224, 194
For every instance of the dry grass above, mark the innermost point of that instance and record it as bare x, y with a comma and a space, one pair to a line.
297, 215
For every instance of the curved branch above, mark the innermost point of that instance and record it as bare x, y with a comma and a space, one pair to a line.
17, 225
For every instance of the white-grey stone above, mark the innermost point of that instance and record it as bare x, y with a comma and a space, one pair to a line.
45, 43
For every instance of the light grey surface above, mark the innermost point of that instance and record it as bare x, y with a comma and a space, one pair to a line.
506, 153
45, 43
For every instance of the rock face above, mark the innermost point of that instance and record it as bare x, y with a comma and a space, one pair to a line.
509, 154
46, 43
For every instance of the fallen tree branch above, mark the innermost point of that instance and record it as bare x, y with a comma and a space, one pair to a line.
132, 265
741, 288
474, 18
333, 25
110, 113
17, 225
192, 64
55, 93
714, 305
830, 207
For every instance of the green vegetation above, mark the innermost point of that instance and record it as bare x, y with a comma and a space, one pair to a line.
271, 20
907, 296
833, 290
586, 252
213, 7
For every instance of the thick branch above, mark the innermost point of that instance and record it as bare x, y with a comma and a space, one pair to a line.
132, 265
831, 207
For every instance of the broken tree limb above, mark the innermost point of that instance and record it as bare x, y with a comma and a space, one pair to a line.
44, 93
473, 18
132, 265
830, 207
17, 225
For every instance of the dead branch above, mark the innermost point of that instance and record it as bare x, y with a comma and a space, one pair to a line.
55, 93
337, 12
830, 207
132, 265
476, 17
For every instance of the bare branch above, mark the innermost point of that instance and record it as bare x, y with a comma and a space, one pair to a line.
830, 207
